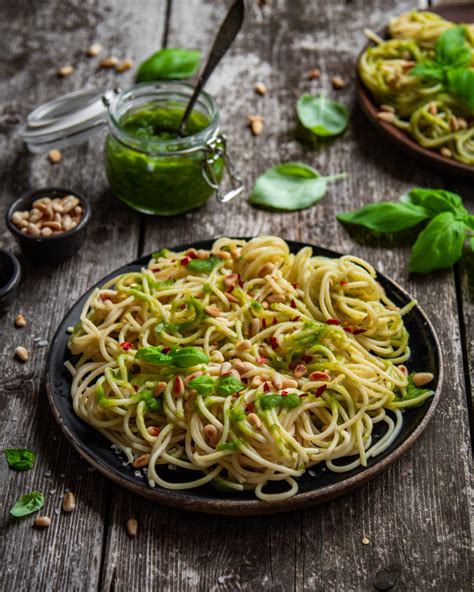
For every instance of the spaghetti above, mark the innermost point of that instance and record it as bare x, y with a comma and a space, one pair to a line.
246, 363
435, 119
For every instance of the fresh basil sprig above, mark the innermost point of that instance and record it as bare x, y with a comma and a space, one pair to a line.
322, 116
223, 386
27, 504
20, 459
451, 65
290, 186
179, 357
169, 64
440, 243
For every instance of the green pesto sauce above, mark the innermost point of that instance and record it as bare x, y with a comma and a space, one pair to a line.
166, 184
153, 404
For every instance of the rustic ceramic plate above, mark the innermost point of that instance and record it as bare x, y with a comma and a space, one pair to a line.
460, 13
314, 488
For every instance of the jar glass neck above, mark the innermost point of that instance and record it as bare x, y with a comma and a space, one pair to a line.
163, 97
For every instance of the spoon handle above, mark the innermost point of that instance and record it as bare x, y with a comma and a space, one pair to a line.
224, 38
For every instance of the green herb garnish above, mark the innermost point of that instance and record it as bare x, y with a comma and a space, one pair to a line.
179, 357
160, 253
27, 504
20, 459
203, 265
290, 186
223, 386
321, 116
169, 64
272, 400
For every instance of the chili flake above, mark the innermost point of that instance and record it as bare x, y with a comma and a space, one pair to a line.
320, 390
126, 345
185, 260
333, 322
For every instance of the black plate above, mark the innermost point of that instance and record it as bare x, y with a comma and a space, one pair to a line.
321, 485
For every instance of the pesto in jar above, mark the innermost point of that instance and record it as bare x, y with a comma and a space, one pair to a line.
156, 174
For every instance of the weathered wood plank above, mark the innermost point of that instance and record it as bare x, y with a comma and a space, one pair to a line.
37, 38
416, 514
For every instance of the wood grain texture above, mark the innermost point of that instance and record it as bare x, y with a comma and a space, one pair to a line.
37, 38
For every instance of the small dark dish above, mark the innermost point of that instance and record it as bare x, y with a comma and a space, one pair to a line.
50, 249
10, 275
459, 13
320, 487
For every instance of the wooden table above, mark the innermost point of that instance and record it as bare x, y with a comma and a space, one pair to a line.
416, 514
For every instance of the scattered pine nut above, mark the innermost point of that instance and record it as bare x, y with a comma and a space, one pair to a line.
230, 297
453, 123
277, 381
261, 89
288, 383
365, 541
93, 50
266, 269
226, 367
65, 71
69, 502
338, 83
319, 376
124, 66
212, 311
224, 255
314, 74
446, 152
300, 371
254, 327
462, 123
22, 353
110, 62
256, 124
273, 298
42, 521
422, 378
386, 116
159, 388
230, 280
20, 320
54, 156
153, 431
254, 420
178, 386
211, 433
141, 461
132, 527
243, 346
432, 108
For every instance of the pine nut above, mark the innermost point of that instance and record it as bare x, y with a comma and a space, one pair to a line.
453, 123
433, 108
21, 353
266, 269
239, 366
132, 527
54, 156
93, 50
257, 381
387, 108
230, 297
20, 320
462, 123
256, 124
110, 62
211, 433
53, 225
202, 254
141, 461
159, 388
314, 74
153, 431
273, 298
403, 369
42, 201
386, 116
217, 357
422, 378
261, 89
77, 210
254, 420
300, 371
124, 66
243, 346
255, 327
277, 381
446, 152
338, 82
33, 230
230, 280
69, 502
319, 376
178, 386
42, 521
65, 71
224, 255
212, 311
226, 367
58, 207
234, 373
35, 215
288, 383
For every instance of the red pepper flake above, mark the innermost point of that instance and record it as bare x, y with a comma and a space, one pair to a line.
264, 324
126, 345
266, 387
302, 395
293, 303
185, 260
292, 366
275, 321
166, 350
343, 283
348, 329
296, 319
156, 269
320, 390
249, 407
104, 297
261, 360
358, 331
284, 393
295, 286
135, 387
245, 380
333, 322
192, 254
274, 342
306, 358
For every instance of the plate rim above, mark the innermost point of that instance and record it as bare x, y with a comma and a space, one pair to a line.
399, 137
242, 507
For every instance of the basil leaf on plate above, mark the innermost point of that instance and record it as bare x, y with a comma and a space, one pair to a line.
386, 216
20, 459
153, 355
290, 186
428, 70
169, 64
27, 504
439, 244
203, 265
451, 48
204, 385
322, 116
460, 82
187, 357
228, 385
435, 201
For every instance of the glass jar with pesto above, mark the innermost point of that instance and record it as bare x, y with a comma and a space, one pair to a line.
149, 165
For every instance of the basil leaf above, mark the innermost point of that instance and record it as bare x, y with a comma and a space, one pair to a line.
435, 201
153, 355
204, 385
203, 265
272, 400
169, 64
460, 82
27, 504
20, 459
228, 385
439, 244
472, 243
321, 116
470, 222
160, 253
386, 216
290, 186
451, 48
188, 356
428, 70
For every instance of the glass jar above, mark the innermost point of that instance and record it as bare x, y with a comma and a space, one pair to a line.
149, 165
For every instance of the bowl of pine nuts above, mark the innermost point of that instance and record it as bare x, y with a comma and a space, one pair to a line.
49, 224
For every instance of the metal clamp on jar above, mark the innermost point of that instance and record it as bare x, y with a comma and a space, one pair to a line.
149, 165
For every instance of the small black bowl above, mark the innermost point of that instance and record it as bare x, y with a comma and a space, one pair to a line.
10, 275
49, 249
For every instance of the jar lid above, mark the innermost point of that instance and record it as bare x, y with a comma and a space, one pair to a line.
66, 120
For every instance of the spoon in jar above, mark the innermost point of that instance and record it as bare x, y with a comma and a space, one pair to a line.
224, 38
